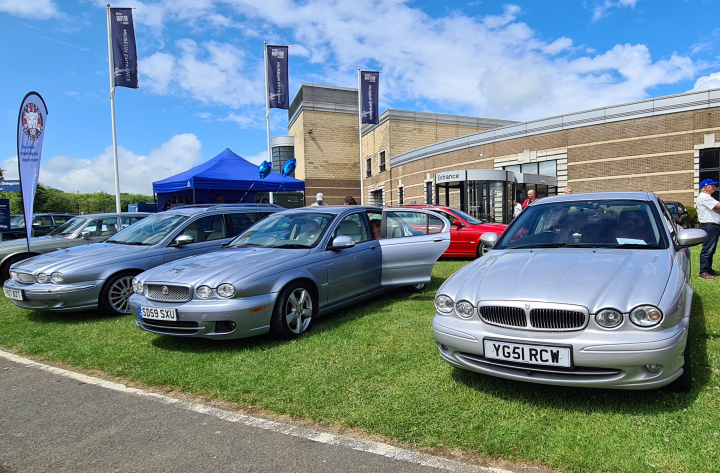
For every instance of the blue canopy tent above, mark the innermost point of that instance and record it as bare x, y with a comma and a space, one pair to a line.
226, 178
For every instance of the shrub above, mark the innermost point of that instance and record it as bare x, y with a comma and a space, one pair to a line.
692, 218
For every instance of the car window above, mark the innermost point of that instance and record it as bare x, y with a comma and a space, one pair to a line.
60, 219
672, 207
354, 225
149, 230
207, 228
407, 223
127, 221
243, 221
45, 221
447, 215
286, 230
596, 224
102, 227
69, 227
670, 221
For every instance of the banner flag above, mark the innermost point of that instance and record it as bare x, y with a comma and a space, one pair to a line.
277, 77
32, 122
369, 87
124, 49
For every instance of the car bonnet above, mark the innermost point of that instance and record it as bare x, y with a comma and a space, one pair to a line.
81, 257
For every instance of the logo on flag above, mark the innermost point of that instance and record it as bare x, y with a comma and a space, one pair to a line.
32, 121
278, 53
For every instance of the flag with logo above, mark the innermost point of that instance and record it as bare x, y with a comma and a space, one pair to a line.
124, 50
277, 77
32, 122
369, 87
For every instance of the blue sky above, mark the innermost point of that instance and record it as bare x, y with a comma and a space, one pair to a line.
201, 83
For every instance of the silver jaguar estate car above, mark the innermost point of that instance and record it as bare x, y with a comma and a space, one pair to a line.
581, 290
100, 275
77, 231
282, 273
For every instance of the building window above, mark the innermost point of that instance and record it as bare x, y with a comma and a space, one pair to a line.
377, 198
428, 192
280, 156
710, 166
401, 195
368, 167
544, 168
382, 161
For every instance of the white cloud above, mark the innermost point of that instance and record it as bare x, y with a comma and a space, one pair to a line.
711, 81
601, 8
258, 158
211, 72
29, 8
137, 172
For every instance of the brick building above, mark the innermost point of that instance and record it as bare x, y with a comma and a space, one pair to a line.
665, 145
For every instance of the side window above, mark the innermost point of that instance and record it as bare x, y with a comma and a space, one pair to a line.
207, 228
44, 221
405, 224
375, 223
670, 221
127, 221
108, 227
92, 227
355, 226
60, 219
243, 221
448, 216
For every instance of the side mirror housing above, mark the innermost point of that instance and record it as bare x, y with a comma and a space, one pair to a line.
691, 237
488, 239
458, 223
85, 235
342, 242
184, 240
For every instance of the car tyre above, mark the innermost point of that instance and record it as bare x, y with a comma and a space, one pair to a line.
481, 250
294, 312
684, 383
115, 294
417, 288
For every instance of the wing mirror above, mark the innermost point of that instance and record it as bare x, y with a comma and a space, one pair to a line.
85, 235
691, 237
488, 239
184, 240
341, 242
458, 223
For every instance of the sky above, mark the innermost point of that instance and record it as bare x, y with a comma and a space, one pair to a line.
201, 84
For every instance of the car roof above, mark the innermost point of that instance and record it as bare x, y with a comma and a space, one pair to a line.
114, 214
596, 196
335, 209
190, 210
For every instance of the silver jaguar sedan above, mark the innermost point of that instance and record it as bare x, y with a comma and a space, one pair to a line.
100, 275
282, 273
581, 290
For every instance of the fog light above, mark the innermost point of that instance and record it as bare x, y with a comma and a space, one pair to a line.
653, 368
224, 326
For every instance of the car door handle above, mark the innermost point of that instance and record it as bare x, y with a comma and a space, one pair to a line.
438, 240
373, 247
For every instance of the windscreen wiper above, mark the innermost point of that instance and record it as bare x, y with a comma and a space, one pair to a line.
292, 245
550, 245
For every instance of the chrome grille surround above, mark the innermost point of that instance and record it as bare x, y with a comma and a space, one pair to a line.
534, 316
172, 292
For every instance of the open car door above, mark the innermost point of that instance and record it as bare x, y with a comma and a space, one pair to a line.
411, 241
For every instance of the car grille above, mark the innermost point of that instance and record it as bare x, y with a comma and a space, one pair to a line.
509, 316
542, 318
556, 319
174, 293
575, 372
177, 327
25, 278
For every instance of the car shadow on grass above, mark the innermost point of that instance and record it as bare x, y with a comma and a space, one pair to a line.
70, 317
603, 400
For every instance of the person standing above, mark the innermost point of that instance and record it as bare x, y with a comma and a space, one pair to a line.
708, 210
318, 200
531, 198
349, 200
517, 208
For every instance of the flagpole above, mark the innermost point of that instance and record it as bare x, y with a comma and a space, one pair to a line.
112, 111
362, 191
267, 108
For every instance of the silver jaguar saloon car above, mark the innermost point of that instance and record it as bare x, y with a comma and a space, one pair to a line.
581, 290
100, 275
282, 273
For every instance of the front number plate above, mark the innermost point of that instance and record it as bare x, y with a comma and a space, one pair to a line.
13, 294
157, 314
529, 354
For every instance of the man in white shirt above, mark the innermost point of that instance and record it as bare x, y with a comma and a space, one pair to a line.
318, 200
708, 210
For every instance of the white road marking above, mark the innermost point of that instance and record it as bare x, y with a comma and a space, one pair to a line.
377, 448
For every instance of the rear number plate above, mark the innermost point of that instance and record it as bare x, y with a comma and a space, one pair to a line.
157, 314
13, 294
529, 354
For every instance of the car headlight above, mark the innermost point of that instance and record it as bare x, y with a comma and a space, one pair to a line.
646, 316
14, 275
444, 304
609, 318
465, 309
137, 286
57, 277
42, 278
226, 290
204, 292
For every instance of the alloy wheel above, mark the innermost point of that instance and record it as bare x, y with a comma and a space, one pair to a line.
299, 310
119, 293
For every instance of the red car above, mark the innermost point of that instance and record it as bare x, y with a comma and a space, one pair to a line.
465, 232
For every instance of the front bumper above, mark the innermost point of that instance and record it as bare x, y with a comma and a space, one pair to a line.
198, 318
600, 359
57, 297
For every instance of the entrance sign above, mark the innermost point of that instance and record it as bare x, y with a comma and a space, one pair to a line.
9, 186
450, 176
31, 133
4, 215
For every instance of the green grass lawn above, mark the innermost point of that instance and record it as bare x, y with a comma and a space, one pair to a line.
375, 367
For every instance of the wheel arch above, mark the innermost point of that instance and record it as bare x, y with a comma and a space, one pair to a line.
310, 283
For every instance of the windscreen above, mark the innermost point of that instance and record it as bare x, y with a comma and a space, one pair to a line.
596, 224
469, 219
280, 230
69, 227
17, 221
148, 231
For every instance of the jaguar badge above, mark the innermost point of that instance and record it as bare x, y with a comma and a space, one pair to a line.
165, 290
